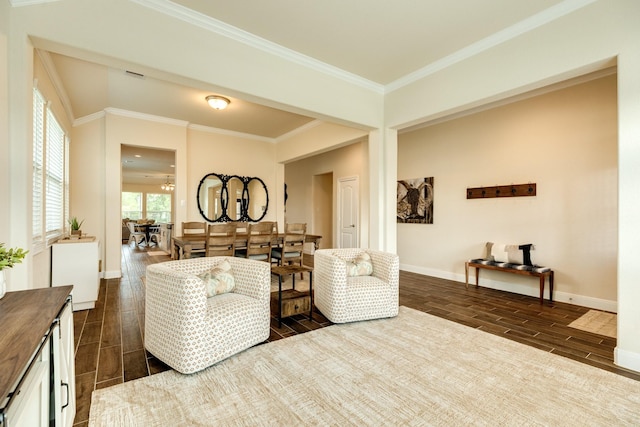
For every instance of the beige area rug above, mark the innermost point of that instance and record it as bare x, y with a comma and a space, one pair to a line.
598, 322
415, 369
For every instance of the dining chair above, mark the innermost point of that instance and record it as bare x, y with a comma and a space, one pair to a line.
291, 251
220, 239
195, 229
154, 234
136, 234
259, 237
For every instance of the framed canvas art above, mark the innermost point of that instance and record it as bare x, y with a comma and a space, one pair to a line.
415, 201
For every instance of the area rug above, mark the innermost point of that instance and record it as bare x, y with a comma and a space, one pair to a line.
415, 369
157, 253
598, 322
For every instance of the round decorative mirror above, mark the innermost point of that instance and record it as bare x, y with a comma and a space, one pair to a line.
257, 199
212, 197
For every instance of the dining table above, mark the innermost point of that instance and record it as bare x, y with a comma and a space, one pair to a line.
183, 246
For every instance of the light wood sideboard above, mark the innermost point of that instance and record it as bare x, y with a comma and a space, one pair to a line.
37, 366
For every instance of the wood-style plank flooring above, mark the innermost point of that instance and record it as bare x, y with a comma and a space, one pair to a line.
109, 338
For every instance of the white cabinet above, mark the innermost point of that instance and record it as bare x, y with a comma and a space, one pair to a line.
37, 366
77, 263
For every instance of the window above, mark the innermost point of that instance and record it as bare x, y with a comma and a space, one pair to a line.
131, 205
159, 207
50, 203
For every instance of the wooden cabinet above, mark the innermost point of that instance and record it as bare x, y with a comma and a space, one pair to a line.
77, 263
37, 374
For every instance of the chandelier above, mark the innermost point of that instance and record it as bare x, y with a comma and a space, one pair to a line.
168, 186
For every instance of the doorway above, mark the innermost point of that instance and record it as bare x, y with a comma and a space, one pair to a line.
348, 212
323, 208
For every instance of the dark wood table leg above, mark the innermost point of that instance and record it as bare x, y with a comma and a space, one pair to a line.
551, 286
477, 276
542, 279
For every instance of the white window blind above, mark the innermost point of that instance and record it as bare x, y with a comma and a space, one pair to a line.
38, 166
50, 174
55, 176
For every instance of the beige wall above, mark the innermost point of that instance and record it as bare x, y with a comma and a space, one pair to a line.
565, 142
299, 176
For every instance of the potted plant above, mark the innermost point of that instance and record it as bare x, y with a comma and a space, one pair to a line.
8, 258
75, 226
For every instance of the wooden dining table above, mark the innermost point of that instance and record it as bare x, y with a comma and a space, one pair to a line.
183, 246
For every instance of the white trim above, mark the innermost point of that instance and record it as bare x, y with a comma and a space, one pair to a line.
18, 3
89, 118
50, 68
299, 130
234, 33
626, 359
144, 116
115, 274
231, 133
532, 289
535, 21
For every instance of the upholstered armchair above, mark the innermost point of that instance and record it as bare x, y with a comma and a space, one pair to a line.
189, 330
355, 284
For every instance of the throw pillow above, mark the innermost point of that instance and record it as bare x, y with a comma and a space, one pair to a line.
520, 254
360, 266
499, 252
218, 280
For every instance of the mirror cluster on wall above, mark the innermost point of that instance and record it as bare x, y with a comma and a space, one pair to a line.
224, 198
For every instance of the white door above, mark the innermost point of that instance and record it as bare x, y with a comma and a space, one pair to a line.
349, 203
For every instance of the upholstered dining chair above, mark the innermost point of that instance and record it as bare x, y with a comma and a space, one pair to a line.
220, 239
195, 229
259, 238
356, 284
191, 324
135, 234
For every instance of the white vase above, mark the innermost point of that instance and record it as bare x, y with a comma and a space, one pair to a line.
3, 284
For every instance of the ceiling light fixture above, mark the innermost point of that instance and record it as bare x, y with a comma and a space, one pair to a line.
168, 186
218, 102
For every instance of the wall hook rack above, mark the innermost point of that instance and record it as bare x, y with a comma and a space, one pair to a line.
513, 190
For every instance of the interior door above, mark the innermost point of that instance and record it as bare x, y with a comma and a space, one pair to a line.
348, 211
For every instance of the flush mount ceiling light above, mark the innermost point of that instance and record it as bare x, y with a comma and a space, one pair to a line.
168, 186
217, 102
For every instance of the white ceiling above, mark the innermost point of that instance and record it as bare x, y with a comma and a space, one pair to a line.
380, 42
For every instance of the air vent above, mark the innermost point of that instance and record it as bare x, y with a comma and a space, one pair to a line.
134, 74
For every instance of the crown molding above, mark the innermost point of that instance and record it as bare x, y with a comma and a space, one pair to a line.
299, 130
147, 117
535, 21
89, 118
50, 68
18, 3
211, 24
235, 134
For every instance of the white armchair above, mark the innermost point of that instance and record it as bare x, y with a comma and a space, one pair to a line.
342, 298
188, 330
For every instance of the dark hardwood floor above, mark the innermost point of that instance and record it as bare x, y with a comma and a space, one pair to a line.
109, 338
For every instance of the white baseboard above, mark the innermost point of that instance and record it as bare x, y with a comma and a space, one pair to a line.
626, 359
519, 288
114, 274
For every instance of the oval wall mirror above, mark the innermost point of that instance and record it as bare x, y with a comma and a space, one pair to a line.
257, 199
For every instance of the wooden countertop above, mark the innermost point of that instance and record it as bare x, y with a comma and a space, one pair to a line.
25, 316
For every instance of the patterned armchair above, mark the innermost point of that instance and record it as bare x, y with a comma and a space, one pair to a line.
188, 330
343, 298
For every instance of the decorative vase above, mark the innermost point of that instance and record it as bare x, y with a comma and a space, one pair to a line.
3, 284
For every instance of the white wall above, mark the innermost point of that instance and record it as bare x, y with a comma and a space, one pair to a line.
347, 161
565, 142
